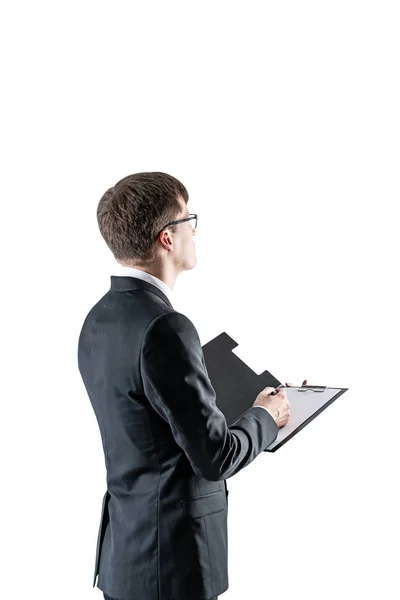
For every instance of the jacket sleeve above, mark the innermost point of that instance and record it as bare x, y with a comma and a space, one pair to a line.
177, 385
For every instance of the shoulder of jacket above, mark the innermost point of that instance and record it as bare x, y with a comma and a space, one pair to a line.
169, 321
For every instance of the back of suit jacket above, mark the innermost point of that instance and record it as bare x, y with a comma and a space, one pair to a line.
167, 448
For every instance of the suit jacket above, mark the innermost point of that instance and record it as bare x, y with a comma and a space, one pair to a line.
167, 448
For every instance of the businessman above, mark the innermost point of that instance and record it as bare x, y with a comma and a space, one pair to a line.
168, 449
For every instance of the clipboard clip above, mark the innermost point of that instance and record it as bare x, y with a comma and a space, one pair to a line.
312, 388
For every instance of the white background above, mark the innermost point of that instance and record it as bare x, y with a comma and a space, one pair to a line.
282, 119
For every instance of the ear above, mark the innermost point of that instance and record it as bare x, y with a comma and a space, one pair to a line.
165, 239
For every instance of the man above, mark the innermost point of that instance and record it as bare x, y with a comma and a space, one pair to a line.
168, 449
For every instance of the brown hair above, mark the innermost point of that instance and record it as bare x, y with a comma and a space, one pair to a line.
133, 212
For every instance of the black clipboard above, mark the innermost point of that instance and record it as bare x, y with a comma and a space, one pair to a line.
237, 386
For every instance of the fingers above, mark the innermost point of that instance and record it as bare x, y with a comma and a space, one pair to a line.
292, 384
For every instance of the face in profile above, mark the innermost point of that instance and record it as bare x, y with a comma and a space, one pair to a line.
184, 236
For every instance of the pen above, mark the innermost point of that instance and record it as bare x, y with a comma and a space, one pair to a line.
275, 392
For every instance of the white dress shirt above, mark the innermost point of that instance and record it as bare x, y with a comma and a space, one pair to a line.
123, 271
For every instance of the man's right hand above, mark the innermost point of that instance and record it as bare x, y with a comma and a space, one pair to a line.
277, 405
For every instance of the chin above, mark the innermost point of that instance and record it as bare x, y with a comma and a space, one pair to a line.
192, 264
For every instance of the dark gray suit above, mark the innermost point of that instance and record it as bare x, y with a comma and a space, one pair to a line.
167, 447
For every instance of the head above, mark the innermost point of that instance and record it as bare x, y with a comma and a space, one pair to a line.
132, 217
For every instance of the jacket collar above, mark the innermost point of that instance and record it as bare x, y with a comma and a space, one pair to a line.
126, 284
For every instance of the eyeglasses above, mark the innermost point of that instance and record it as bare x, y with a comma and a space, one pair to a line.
189, 218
